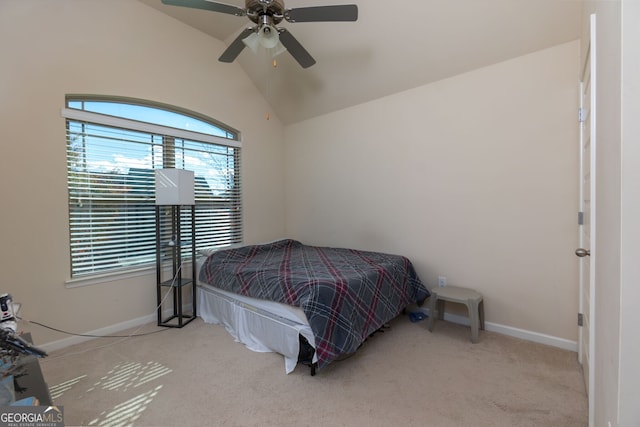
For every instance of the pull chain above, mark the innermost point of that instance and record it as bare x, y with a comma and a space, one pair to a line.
275, 65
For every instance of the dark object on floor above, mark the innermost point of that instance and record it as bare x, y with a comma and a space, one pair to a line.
306, 351
305, 354
417, 316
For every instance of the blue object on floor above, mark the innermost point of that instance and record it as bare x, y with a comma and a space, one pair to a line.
417, 316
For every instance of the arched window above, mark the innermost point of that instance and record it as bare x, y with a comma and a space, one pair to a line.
113, 147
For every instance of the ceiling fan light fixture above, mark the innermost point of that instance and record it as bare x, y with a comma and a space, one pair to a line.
278, 49
269, 36
252, 42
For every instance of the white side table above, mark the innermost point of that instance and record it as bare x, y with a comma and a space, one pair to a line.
472, 299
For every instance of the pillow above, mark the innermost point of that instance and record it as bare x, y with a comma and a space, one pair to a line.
208, 251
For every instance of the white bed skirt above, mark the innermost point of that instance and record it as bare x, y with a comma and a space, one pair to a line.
262, 326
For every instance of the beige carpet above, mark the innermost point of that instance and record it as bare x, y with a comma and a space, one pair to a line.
407, 376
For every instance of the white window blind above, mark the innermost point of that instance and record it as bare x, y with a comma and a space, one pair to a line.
111, 183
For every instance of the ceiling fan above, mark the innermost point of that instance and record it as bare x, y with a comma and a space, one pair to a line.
266, 14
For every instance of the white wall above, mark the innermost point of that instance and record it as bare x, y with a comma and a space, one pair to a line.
115, 47
473, 177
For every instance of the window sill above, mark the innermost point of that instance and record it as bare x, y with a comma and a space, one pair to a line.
108, 277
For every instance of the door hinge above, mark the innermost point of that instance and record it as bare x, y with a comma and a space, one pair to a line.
580, 218
581, 115
580, 319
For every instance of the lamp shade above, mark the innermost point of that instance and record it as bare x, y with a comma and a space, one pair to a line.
267, 37
252, 42
175, 187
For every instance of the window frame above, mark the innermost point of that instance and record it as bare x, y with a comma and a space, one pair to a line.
83, 116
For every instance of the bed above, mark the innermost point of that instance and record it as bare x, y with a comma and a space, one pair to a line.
285, 296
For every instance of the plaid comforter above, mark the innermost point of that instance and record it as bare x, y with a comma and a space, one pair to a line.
346, 294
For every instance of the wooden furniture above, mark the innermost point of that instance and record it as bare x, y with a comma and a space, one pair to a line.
472, 299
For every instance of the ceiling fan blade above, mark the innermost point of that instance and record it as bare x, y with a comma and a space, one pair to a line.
296, 50
347, 12
207, 5
235, 47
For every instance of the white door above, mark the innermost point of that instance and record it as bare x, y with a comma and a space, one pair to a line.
587, 216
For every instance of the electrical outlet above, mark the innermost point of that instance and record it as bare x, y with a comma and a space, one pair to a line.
442, 281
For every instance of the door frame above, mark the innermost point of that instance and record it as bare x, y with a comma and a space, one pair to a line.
587, 232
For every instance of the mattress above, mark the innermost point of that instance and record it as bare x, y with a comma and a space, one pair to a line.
262, 326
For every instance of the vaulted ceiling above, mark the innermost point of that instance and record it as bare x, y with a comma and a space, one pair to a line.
395, 45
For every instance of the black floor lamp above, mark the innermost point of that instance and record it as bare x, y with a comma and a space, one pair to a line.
175, 245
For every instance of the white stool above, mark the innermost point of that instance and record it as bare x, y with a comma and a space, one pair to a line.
469, 297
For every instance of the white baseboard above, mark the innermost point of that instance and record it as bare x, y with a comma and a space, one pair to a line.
514, 332
109, 330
